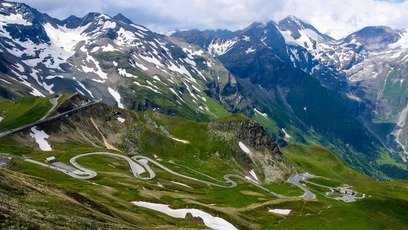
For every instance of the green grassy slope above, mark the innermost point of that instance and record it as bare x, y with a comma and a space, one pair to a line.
209, 155
22, 111
31, 203
383, 208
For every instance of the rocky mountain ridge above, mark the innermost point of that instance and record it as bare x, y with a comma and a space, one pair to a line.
359, 71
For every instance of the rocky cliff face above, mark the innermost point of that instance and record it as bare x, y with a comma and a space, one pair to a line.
264, 153
74, 101
251, 133
96, 126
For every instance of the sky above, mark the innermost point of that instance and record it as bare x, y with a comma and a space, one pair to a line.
337, 18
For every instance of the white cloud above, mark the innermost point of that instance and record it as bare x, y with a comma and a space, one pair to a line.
339, 18
65, 8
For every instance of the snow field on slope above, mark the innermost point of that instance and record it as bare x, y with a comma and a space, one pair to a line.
208, 219
40, 137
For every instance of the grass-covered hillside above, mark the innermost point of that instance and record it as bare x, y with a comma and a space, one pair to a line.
22, 111
33, 203
205, 151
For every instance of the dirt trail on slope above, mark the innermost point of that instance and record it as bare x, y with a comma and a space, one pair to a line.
107, 145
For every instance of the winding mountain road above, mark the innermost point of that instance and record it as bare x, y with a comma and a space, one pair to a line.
295, 180
140, 165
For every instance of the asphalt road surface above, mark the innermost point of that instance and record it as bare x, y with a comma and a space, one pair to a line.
140, 165
297, 178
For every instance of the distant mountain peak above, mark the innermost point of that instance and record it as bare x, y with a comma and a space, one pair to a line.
295, 25
256, 25
293, 20
71, 21
122, 18
72, 17
95, 15
374, 36
371, 31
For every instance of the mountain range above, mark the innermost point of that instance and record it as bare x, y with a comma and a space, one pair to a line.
287, 75
349, 90
276, 125
283, 74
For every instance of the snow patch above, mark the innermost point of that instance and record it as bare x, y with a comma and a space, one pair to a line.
155, 77
398, 130
402, 43
262, 114
34, 91
208, 219
246, 38
98, 71
96, 48
109, 25
54, 76
5, 81
280, 211
221, 47
63, 42
6, 4
125, 37
353, 97
121, 119
160, 185
191, 54
140, 27
147, 87
244, 148
126, 74
142, 67
14, 19
108, 48
180, 140
306, 40
65, 38
19, 67
287, 35
179, 183
51, 54
182, 70
40, 137
83, 87
287, 136
253, 174
248, 178
152, 59
190, 61
115, 94
250, 50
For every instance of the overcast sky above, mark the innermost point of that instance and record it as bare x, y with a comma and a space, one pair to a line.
336, 17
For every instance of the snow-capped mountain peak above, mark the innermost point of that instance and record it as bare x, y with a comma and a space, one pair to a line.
102, 57
374, 37
292, 22
122, 18
297, 32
